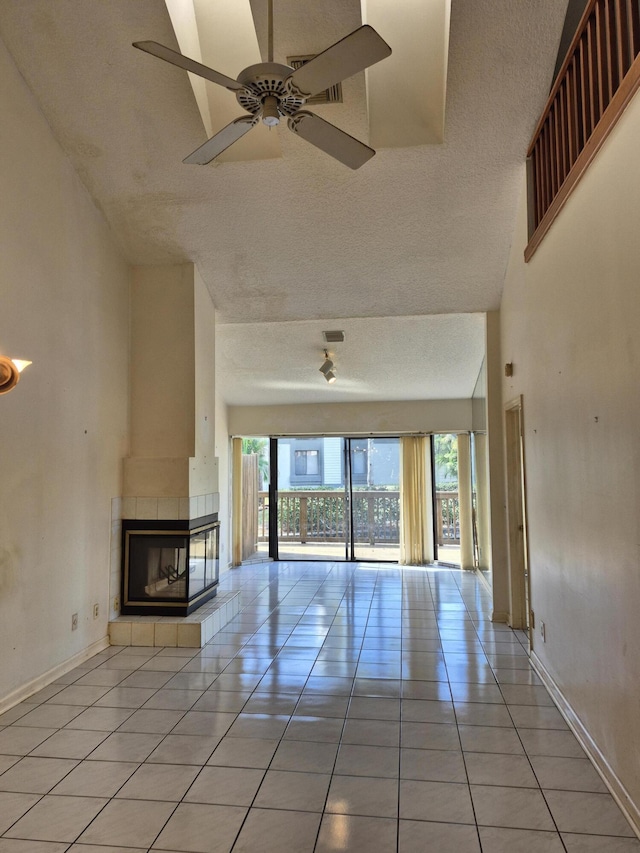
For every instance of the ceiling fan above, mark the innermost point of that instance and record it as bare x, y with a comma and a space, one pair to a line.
270, 91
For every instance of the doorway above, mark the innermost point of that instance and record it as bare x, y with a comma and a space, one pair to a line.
519, 580
335, 498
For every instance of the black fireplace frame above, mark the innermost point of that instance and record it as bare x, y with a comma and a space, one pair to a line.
133, 604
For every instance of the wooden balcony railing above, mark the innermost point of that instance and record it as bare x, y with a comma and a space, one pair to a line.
305, 516
448, 518
600, 75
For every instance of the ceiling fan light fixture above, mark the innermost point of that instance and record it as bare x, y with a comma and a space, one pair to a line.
270, 112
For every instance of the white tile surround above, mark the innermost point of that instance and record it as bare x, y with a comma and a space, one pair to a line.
192, 631
152, 509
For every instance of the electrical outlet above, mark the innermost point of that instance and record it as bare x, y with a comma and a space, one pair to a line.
543, 632
74, 622
96, 611
116, 603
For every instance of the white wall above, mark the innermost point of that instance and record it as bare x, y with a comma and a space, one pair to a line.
63, 430
351, 418
570, 325
163, 362
496, 472
203, 477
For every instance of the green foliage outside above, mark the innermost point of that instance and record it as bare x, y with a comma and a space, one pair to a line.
446, 455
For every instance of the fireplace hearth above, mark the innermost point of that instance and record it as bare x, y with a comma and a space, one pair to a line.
169, 568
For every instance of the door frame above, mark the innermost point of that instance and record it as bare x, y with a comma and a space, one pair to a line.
349, 543
519, 567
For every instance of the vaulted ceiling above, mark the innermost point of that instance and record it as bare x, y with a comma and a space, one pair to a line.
417, 231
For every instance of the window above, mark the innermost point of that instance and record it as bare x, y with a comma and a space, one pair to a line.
306, 463
359, 463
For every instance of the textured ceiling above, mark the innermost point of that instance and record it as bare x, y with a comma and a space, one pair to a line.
392, 358
416, 231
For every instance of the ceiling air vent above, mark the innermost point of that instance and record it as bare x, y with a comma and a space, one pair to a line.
333, 337
333, 95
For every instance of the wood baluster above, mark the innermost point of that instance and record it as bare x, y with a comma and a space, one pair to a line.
537, 192
621, 39
562, 132
547, 165
600, 55
611, 64
572, 126
633, 19
592, 71
584, 93
555, 159
539, 163
544, 134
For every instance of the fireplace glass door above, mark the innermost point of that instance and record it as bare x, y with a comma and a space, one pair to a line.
169, 568
158, 567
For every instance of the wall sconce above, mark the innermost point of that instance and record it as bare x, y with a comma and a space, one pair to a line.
327, 369
10, 370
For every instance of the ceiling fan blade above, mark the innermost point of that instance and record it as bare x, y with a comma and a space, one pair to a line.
181, 61
222, 140
330, 139
353, 53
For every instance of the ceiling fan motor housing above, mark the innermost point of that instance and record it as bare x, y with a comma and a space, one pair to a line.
265, 81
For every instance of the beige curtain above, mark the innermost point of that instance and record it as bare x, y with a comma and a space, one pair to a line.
237, 501
416, 502
466, 501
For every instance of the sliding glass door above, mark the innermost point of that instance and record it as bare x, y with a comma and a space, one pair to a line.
312, 506
337, 498
375, 498
446, 498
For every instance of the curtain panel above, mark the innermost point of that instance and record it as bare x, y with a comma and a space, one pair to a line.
416, 501
236, 462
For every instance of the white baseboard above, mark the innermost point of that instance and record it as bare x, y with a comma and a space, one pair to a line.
618, 791
31, 687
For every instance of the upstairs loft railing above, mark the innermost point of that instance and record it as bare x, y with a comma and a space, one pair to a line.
598, 79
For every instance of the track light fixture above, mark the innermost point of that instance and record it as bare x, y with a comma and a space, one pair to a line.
327, 369
10, 370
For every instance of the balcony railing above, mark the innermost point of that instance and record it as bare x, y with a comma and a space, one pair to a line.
314, 516
599, 77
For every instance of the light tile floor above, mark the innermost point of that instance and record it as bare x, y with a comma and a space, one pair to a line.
348, 707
